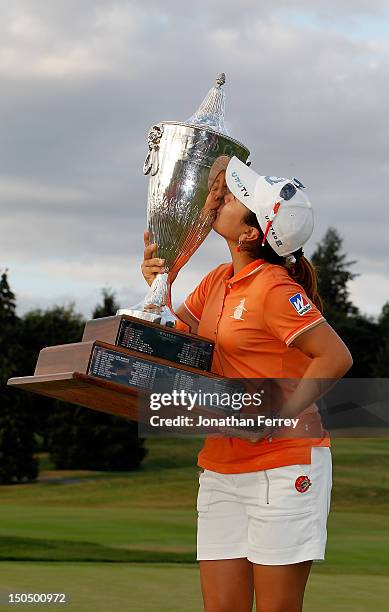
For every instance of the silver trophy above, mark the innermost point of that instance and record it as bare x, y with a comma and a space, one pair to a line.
183, 160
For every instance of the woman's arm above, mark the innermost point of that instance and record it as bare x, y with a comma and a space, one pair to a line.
183, 315
331, 359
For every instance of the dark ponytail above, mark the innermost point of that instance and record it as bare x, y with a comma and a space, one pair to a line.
302, 271
304, 274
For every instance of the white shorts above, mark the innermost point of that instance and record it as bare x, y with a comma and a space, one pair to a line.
271, 517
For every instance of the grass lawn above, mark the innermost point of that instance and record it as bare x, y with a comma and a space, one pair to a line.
127, 541
99, 587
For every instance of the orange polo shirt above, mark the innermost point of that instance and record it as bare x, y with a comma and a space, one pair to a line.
253, 317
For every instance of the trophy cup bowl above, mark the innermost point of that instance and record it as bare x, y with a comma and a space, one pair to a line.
181, 164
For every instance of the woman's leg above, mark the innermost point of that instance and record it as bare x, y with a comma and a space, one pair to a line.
287, 530
280, 588
226, 575
227, 585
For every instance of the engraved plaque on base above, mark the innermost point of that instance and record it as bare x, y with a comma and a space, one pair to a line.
152, 376
152, 339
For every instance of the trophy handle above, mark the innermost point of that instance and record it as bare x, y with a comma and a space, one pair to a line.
151, 164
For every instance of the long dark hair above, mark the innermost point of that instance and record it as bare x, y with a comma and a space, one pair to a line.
303, 272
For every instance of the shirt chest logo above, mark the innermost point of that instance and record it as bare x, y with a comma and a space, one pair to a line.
239, 310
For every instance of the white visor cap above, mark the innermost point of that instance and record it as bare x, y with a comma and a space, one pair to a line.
293, 224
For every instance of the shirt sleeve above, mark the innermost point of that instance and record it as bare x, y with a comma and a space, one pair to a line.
288, 312
195, 301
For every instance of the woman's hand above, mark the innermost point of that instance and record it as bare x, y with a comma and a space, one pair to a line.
249, 436
151, 266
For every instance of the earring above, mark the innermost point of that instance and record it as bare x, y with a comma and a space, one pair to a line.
238, 249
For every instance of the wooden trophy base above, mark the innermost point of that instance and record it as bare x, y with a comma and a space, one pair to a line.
83, 390
102, 374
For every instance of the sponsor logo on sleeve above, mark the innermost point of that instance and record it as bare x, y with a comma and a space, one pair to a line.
300, 303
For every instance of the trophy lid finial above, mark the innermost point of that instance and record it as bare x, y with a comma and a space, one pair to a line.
221, 79
211, 111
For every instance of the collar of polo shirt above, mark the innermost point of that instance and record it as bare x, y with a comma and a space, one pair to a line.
250, 268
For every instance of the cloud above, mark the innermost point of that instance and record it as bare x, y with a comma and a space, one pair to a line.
83, 81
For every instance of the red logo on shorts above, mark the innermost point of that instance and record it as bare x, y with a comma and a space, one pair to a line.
302, 484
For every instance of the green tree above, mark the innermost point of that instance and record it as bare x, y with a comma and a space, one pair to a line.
362, 336
381, 368
334, 275
17, 462
87, 439
359, 332
108, 307
41, 328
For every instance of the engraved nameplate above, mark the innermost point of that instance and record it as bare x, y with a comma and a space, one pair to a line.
145, 375
161, 342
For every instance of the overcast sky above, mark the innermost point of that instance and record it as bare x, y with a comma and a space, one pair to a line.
83, 80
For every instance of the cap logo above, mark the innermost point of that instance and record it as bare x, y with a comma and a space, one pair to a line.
273, 233
298, 184
273, 180
239, 183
